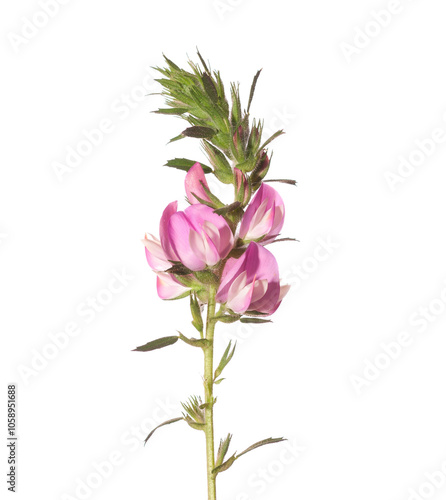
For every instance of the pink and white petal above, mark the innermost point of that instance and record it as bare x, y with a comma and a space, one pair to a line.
169, 211
155, 255
240, 303
262, 227
167, 287
179, 229
192, 183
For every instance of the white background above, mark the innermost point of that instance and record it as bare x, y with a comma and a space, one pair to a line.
348, 120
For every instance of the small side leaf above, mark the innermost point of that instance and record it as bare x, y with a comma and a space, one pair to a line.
161, 425
170, 111
253, 87
209, 87
228, 208
223, 449
261, 443
225, 465
194, 342
198, 132
283, 181
227, 356
274, 136
157, 344
255, 320
185, 164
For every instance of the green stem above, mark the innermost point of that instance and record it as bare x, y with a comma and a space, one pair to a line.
209, 397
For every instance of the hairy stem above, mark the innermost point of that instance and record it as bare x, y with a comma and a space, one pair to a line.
209, 397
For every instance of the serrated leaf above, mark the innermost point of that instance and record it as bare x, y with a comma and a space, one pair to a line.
161, 425
261, 443
253, 87
186, 165
225, 359
255, 320
199, 132
170, 111
157, 344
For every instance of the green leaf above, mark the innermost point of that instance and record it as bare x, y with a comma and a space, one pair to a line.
219, 381
161, 425
209, 87
170, 111
255, 320
199, 132
253, 87
261, 443
177, 138
194, 342
223, 449
226, 318
274, 136
228, 208
225, 465
282, 239
193, 411
202, 61
196, 313
227, 356
284, 181
157, 344
184, 164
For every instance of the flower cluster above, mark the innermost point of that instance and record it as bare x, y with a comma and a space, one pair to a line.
233, 255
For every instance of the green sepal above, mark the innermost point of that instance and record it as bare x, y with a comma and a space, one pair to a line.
167, 422
157, 344
206, 277
186, 165
222, 168
195, 425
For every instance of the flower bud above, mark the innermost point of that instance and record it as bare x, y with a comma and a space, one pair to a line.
242, 187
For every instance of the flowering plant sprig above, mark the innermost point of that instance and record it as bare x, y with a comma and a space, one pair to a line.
212, 252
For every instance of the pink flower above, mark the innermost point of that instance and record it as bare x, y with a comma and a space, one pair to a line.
193, 184
264, 216
251, 282
196, 237
168, 287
